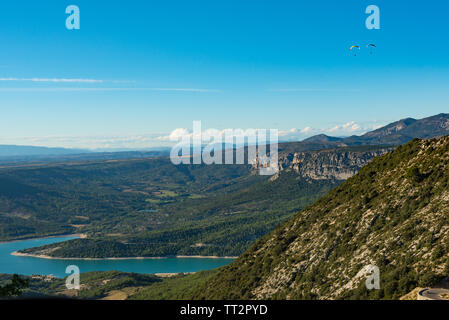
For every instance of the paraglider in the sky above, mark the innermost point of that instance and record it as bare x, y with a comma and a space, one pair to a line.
371, 46
354, 47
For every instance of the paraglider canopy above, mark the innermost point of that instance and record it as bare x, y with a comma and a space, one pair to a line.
371, 46
354, 47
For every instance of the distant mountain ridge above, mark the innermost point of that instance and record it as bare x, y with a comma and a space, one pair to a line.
401, 131
322, 138
17, 151
393, 134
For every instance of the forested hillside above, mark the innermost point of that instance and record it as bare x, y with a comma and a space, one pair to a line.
394, 214
154, 208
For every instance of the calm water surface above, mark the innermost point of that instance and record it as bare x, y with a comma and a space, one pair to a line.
30, 265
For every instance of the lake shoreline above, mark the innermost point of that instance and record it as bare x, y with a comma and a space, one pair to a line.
78, 235
84, 236
42, 256
13, 260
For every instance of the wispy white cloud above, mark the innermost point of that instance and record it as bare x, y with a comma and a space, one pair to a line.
92, 81
179, 133
59, 89
312, 90
53, 80
337, 130
183, 89
347, 127
293, 134
62, 89
306, 130
175, 135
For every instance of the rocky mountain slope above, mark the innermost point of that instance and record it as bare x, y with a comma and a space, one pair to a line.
339, 164
406, 129
393, 214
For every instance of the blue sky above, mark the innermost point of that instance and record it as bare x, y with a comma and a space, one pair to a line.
159, 65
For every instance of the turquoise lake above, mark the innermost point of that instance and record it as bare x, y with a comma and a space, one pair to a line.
31, 265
